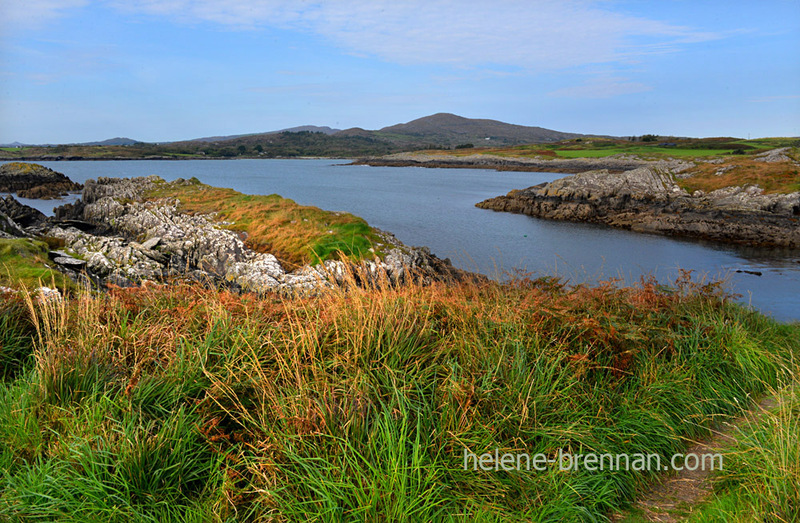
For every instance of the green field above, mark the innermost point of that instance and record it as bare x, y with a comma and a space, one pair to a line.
602, 147
643, 151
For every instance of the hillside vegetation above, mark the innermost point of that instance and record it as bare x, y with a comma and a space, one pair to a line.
438, 130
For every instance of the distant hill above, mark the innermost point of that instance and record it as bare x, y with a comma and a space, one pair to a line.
438, 130
446, 129
311, 129
298, 129
442, 130
213, 139
112, 141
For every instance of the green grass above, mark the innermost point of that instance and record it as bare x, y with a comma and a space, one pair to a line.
644, 151
24, 262
181, 403
685, 148
761, 479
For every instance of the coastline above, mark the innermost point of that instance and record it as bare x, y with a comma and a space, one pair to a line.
648, 199
500, 163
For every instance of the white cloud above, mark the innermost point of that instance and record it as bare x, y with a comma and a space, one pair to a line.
34, 13
545, 34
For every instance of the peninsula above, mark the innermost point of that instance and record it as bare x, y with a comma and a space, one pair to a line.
755, 201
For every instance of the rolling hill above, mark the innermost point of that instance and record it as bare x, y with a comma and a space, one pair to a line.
451, 130
441, 130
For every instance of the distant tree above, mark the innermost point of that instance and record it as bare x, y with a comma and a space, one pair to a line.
242, 149
650, 138
259, 148
465, 146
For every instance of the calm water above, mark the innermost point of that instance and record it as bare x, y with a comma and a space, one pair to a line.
435, 207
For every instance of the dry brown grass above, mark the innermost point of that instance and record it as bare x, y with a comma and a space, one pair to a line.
295, 234
774, 178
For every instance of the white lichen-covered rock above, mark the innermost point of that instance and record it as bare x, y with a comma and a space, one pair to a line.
774, 156
48, 295
125, 240
643, 182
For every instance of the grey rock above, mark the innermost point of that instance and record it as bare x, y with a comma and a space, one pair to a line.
21, 214
152, 243
69, 261
9, 228
197, 247
648, 200
774, 155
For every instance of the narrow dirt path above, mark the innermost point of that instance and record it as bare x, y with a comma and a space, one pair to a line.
678, 495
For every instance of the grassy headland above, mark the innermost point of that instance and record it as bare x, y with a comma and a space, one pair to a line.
278, 145
189, 404
184, 403
718, 162
295, 234
657, 149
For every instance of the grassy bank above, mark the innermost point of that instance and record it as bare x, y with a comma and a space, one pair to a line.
295, 234
189, 404
25, 261
777, 177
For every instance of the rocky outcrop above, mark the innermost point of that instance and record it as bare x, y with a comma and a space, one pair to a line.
115, 236
647, 199
30, 180
616, 164
23, 215
9, 228
775, 155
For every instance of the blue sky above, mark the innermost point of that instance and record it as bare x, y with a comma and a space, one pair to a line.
160, 70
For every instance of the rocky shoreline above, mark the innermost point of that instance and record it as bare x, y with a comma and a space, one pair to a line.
115, 236
35, 181
616, 164
648, 199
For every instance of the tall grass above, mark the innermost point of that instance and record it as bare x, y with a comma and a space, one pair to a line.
761, 479
182, 403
